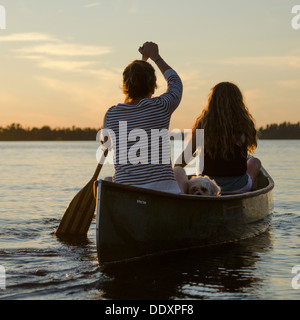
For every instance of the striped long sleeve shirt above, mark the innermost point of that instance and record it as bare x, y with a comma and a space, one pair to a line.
139, 136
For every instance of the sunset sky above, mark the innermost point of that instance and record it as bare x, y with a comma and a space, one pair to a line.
62, 60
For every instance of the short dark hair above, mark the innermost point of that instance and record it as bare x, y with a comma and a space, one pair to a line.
139, 79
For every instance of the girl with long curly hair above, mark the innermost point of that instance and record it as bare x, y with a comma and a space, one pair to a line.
230, 139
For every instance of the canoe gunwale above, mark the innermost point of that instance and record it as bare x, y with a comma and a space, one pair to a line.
191, 197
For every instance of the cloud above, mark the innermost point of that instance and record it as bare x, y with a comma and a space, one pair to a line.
65, 65
79, 67
291, 84
92, 5
28, 37
53, 53
65, 49
6, 98
133, 9
105, 74
253, 95
271, 61
85, 101
193, 79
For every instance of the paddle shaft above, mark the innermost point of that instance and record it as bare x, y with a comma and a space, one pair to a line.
78, 216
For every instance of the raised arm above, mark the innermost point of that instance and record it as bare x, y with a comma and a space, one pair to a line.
171, 99
150, 50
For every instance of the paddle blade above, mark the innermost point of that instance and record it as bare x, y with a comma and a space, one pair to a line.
78, 216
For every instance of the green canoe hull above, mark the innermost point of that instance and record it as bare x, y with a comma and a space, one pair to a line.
134, 222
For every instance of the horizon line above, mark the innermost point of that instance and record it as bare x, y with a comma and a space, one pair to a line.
93, 128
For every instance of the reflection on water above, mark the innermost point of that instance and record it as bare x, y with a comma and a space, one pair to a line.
38, 181
220, 272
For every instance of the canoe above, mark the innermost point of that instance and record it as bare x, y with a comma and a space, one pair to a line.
133, 223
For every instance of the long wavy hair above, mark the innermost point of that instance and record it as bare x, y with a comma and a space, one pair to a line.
227, 121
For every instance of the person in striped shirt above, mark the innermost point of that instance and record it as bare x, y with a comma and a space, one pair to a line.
137, 130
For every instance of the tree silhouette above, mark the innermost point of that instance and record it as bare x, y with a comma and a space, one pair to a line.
285, 130
15, 132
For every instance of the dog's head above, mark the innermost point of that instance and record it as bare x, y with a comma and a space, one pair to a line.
203, 186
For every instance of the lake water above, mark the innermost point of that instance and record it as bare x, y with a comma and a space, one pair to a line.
39, 179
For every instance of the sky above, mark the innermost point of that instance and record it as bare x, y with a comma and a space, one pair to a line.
61, 61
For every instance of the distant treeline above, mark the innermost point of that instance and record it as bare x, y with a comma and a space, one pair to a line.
285, 130
15, 132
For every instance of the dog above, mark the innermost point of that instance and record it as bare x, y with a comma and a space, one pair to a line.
203, 185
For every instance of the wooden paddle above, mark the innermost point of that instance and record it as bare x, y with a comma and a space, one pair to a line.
78, 216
